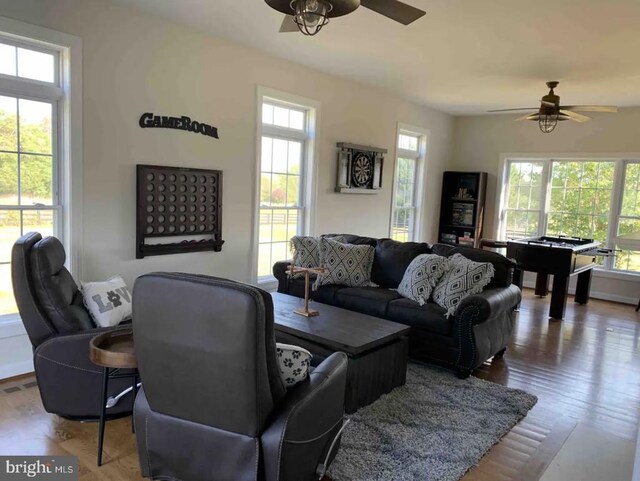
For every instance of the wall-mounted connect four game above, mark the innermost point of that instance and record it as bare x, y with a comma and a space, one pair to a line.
176, 201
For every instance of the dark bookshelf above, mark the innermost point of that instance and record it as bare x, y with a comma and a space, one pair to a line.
462, 207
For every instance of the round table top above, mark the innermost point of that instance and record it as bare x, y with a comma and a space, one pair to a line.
114, 349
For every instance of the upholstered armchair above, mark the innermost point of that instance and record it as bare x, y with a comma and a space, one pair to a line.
60, 328
212, 405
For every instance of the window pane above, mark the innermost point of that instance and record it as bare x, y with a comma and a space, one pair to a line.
266, 152
36, 179
267, 114
280, 155
278, 189
35, 126
279, 252
265, 189
7, 59
7, 301
295, 157
38, 220
296, 120
408, 142
265, 225
9, 232
628, 260
8, 179
8, 123
630, 194
281, 117
293, 190
36, 65
264, 260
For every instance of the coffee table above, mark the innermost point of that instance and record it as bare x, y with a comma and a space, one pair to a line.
377, 349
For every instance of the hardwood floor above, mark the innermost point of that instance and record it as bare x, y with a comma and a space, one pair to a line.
584, 369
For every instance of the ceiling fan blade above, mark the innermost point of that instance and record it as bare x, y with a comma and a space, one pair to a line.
513, 110
395, 10
590, 108
575, 116
288, 25
533, 116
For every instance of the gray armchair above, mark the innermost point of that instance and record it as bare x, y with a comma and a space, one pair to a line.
213, 406
59, 328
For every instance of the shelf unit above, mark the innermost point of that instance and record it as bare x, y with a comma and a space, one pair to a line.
462, 207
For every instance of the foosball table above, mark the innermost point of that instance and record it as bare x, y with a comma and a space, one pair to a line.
561, 257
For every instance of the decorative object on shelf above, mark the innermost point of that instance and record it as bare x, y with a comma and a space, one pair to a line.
149, 120
551, 112
309, 16
178, 201
359, 169
462, 208
306, 271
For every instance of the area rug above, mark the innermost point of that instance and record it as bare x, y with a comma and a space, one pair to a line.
435, 428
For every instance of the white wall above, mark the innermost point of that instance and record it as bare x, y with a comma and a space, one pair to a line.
135, 63
480, 140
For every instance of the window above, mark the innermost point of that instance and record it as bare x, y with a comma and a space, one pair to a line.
286, 138
576, 198
35, 142
407, 186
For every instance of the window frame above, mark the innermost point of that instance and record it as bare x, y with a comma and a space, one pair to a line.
420, 171
66, 94
308, 167
621, 160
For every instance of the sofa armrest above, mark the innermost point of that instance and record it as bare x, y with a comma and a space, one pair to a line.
304, 426
280, 273
490, 302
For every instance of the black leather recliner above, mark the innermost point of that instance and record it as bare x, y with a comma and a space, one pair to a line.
213, 406
60, 328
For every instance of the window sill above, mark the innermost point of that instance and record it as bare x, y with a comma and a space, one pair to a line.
618, 275
11, 326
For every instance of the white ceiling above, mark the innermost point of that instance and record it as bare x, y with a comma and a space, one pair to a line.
463, 57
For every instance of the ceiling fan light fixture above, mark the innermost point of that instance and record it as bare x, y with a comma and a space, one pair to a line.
311, 15
548, 122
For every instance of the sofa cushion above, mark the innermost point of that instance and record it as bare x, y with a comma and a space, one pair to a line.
429, 317
346, 264
421, 277
325, 294
503, 266
356, 239
464, 278
367, 300
392, 259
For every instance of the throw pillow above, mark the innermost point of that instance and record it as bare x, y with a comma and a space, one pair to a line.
108, 302
306, 251
464, 278
347, 264
293, 362
421, 277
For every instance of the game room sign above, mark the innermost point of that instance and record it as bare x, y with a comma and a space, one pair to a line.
149, 120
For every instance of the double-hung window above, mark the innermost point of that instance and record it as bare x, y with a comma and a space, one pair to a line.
30, 96
285, 154
585, 198
407, 185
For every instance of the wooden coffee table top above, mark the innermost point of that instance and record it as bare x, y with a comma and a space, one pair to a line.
335, 328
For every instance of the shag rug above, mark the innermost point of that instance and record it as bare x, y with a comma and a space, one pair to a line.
435, 428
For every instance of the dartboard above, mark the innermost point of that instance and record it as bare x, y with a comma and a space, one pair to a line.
362, 170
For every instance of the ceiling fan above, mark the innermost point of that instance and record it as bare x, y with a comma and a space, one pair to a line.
551, 112
309, 16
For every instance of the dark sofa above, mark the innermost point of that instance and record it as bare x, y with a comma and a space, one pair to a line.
481, 327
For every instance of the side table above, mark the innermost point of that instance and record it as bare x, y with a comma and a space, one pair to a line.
113, 350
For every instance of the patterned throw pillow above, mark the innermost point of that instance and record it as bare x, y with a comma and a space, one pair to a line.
347, 264
421, 277
293, 362
306, 251
464, 278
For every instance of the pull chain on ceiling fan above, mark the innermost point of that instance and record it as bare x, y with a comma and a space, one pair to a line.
551, 112
309, 16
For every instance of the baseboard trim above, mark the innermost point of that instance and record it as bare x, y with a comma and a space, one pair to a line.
16, 369
605, 296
